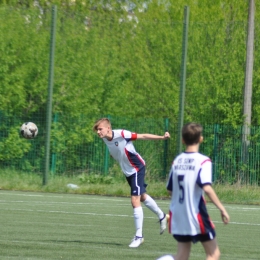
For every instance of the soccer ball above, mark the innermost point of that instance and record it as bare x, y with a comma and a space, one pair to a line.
29, 130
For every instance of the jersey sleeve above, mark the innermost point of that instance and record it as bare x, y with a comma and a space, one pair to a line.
129, 136
205, 173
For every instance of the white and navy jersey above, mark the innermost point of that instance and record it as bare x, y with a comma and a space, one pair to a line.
122, 149
188, 213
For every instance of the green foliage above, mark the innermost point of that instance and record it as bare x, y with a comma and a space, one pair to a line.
111, 60
23, 61
108, 60
13, 146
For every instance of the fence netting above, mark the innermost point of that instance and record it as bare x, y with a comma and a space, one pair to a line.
125, 65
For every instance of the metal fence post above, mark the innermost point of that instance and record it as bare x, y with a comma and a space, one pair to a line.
106, 166
166, 125
49, 100
53, 155
183, 76
215, 151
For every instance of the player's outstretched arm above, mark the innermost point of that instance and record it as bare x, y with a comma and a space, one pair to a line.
153, 137
214, 198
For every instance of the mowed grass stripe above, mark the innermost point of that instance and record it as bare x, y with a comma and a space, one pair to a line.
113, 215
50, 226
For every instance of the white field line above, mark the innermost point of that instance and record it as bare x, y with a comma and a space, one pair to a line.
53, 224
70, 213
62, 203
104, 204
104, 198
211, 207
110, 215
78, 196
29, 195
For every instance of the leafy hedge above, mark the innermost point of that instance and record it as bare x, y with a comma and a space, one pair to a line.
110, 61
123, 60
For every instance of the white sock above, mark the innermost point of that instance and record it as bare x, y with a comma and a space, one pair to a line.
151, 204
138, 219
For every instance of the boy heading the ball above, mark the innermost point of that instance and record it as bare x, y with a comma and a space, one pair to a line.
190, 177
121, 148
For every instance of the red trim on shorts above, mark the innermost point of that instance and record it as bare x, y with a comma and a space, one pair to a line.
202, 227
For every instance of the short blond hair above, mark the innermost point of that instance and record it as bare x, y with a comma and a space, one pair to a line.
99, 121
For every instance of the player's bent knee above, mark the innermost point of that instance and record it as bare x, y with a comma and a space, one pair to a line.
143, 197
135, 200
214, 256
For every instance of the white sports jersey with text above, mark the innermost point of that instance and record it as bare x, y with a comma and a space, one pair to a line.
122, 149
188, 213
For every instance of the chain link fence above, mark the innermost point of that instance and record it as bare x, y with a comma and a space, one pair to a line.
126, 65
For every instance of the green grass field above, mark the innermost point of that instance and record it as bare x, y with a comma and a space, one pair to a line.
72, 226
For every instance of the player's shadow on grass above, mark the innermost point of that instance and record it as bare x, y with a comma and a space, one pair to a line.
85, 242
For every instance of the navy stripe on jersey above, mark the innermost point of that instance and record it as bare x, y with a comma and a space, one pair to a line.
127, 139
205, 223
199, 182
199, 179
135, 160
169, 184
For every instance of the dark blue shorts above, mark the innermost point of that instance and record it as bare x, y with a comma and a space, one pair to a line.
136, 182
194, 239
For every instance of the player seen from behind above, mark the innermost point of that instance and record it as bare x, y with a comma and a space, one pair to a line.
190, 177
